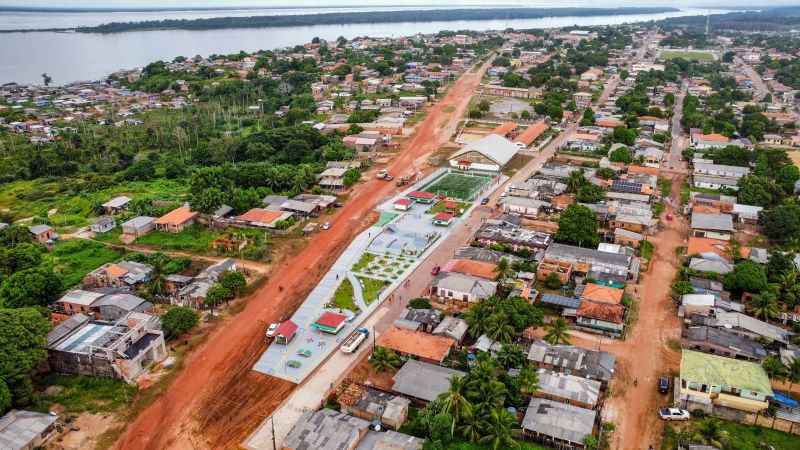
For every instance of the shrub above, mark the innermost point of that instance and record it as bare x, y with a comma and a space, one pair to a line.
179, 320
419, 303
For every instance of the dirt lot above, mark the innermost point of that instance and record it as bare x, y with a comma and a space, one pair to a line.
217, 399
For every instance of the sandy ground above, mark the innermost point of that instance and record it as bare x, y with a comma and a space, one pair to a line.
217, 399
84, 431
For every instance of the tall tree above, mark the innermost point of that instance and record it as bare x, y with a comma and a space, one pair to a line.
500, 328
384, 359
454, 401
709, 431
577, 225
502, 269
500, 425
477, 317
774, 368
765, 305
23, 334
558, 333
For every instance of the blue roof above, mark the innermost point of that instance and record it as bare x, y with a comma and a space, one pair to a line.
785, 400
560, 300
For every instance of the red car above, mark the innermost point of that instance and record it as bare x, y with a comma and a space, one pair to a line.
669, 216
436, 269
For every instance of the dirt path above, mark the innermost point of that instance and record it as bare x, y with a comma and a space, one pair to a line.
217, 399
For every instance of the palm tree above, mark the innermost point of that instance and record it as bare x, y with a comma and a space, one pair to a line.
158, 273
787, 281
709, 432
793, 372
383, 359
502, 269
510, 356
528, 380
575, 180
733, 250
500, 328
558, 333
490, 395
499, 427
774, 368
473, 425
765, 305
453, 400
477, 318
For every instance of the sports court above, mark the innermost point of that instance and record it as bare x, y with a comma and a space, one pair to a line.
458, 185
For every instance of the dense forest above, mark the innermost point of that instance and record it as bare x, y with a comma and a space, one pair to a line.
773, 19
448, 15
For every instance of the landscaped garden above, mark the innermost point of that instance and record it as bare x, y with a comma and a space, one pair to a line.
370, 288
439, 207
387, 267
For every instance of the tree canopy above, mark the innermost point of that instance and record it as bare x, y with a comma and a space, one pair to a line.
577, 225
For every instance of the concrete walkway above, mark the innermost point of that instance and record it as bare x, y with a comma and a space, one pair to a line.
359, 296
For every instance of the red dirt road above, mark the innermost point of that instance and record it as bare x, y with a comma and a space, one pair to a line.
217, 399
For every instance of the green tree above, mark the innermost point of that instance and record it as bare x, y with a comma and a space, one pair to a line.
472, 425
682, 287
46, 79
5, 397
793, 372
502, 269
23, 347
765, 305
709, 431
558, 333
576, 180
782, 223
746, 276
500, 328
352, 176
31, 287
158, 273
778, 264
588, 117
233, 281
521, 313
578, 226
787, 177
179, 320
553, 281
511, 356
528, 380
454, 401
774, 367
215, 295
419, 303
500, 424
383, 359
477, 317
621, 155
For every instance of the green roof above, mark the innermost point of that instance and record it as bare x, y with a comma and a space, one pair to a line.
721, 371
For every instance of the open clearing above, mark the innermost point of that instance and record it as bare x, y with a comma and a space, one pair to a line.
686, 54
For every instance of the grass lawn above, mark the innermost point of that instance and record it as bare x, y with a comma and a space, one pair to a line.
84, 394
439, 207
370, 288
195, 239
739, 437
74, 258
365, 260
516, 163
665, 186
343, 297
690, 55
646, 251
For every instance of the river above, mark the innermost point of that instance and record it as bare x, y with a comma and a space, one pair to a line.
68, 57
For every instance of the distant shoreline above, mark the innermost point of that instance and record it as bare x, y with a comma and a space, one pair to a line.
46, 9
341, 18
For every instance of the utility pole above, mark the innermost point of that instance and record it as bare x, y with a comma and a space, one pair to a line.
274, 445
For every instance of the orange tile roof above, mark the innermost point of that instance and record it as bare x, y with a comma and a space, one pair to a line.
643, 169
602, 311
711, 137
604, 294
423, 345
116, 271
260, 215
699, 245
505, 128
469, 267
530, 134
705, 209
607, 123
176, 216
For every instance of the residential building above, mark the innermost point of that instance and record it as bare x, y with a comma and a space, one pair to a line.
497, 89
719, 341
723, 381
502, 232
103, 224
419, 319
176, 220
452, 327
527, 207
590, 364
42, 233
118, 275
717, 176
422, 381
25, 430
425, 347
77, 301
325, 428
558, 424
627, 238
710, 265
139, 226
113, 307
743, 325
714, 226
117, 204
585, 259
570, 389
561, 268
371, 405
598, 317
126, 348
461, 288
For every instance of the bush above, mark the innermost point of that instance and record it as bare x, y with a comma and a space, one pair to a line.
179, 320
419, 303
553, 281
698, 413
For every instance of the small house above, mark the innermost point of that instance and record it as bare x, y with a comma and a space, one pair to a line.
42, 233
403, 204
117, 204
569, 389
103, 224
422, 381
285, 332
421, 196
24, 430
373, 405
442, 219
330, 322
139, 226
176, 220
558, 424
425, 347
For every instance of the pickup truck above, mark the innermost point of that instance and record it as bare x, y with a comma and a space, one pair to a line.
673, 414
354, 340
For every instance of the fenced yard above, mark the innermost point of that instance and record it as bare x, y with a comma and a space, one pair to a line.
458, 185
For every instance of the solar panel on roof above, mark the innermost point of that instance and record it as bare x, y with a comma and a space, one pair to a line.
560, 300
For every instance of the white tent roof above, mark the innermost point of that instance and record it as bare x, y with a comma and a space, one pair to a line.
495, 147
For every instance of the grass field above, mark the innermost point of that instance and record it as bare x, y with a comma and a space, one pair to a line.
79, 393
457, 185
690, 55
72, 259
343, 298
370, 288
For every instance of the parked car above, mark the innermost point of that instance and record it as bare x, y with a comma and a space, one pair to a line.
485, 201
326, 225
271, 329
337, 205
663, 385
673, 414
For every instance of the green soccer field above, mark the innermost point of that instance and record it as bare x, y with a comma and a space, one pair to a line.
457, 185
690, 55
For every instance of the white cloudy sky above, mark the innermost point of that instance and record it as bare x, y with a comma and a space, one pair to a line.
357, 3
